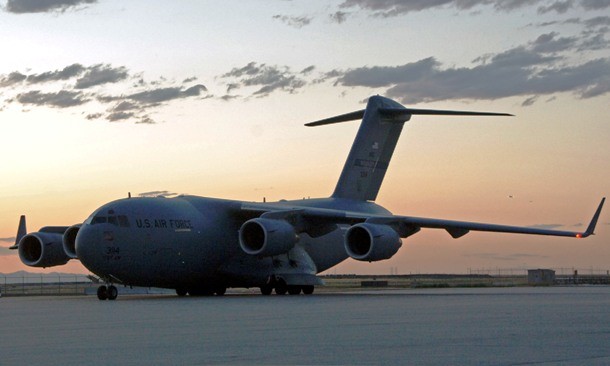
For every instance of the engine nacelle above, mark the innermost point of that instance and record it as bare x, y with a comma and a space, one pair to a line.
267, 237
371, 242
42, 249
69, 241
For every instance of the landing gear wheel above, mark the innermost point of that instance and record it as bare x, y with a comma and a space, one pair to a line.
308, 290
266, 290
281, 287
294, 290
201, 291
102, 293
112, 292
180, 292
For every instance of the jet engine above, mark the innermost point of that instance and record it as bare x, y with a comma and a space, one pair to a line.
267, 237
371, 242
69, 241
42, 249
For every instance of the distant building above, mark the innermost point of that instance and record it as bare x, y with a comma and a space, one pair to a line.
540, 277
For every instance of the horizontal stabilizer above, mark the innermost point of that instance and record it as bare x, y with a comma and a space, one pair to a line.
435, 112
401, 115
353, 116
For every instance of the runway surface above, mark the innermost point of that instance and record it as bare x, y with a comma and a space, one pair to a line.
488, 326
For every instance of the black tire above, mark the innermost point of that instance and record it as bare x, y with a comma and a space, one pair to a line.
294, 290
281, 287
266, 290
308, 290
201, 291
112, 292
102, 293
181, 292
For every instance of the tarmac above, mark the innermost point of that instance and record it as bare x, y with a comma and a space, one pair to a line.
482, 326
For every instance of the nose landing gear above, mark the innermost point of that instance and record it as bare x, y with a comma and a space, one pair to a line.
107, 292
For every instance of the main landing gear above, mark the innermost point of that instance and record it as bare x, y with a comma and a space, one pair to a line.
202, 291
281, 288
107, 292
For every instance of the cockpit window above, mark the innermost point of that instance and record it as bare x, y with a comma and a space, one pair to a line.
100, 218
113, 220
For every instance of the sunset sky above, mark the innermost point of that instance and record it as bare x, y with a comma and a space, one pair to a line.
99, 98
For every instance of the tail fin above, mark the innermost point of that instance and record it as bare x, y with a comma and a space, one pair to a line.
21, 232
368, 160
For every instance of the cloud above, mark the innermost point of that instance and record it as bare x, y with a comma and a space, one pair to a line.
544, 66
12, 79
133, 106
87, 76
390, 8
308, 70
160, 95
595, 4
265, 78
538, 68
600, 21
119, 116
101, 74
8, 240
157, 194
338, 17
93, 116
550, 43
529, 101
559, 7
61, 99
44, 6
296, 22
66, 73
81, 84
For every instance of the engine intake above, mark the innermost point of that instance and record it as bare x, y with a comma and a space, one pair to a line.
69, 241
42, 249
266, 237
371, 242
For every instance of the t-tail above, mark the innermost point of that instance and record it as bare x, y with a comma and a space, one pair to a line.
370, 156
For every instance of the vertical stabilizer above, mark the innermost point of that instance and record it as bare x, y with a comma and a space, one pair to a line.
371, 152
21, 232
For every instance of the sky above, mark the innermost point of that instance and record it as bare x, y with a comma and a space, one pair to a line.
101, 98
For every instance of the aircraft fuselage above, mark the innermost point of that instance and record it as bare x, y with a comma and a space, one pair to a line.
191, 241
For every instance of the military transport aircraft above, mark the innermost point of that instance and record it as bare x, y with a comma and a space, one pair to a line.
202, 246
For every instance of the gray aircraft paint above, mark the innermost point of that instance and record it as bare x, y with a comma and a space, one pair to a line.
370, 154
192, 243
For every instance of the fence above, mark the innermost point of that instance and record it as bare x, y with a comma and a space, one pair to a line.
559, 271
45, 284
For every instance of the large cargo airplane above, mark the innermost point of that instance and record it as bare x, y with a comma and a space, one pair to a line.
202, 246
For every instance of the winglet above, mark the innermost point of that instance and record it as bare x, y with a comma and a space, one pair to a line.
591, 227
21, 232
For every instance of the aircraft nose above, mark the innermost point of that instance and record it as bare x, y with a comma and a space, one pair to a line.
88, 246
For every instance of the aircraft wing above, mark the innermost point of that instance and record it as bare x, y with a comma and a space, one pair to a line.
318, 221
